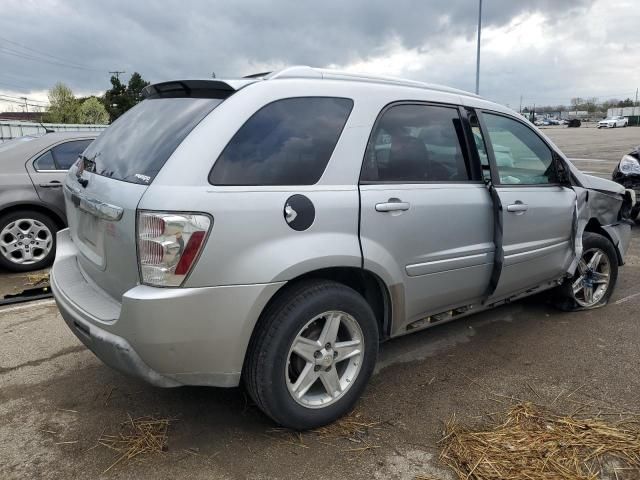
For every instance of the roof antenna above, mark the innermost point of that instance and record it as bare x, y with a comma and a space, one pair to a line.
46, 130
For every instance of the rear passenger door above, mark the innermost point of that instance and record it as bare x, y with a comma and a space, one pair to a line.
537, 211
426, 219
49, 169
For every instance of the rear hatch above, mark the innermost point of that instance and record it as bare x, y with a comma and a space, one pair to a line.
104, 187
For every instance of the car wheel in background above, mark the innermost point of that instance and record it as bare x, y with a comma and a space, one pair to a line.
595, 278
312, 354
27, 240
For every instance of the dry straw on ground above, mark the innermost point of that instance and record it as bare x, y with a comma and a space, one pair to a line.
535, 444
138, 436
37, 279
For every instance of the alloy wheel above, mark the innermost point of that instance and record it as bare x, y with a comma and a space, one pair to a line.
324, 359
591, 281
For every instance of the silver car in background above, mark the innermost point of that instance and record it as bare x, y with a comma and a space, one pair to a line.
273, 230
32, 171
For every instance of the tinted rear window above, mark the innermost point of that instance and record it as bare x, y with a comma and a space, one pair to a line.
138, 144
288, 142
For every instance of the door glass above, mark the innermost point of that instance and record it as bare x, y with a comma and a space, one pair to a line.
416, 143
67, 153
44, 162
522, 158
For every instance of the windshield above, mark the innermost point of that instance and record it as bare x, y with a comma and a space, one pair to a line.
138, 144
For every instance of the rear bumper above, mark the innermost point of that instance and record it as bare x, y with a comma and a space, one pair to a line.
166, 336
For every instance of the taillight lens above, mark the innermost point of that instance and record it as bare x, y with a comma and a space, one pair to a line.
168, 245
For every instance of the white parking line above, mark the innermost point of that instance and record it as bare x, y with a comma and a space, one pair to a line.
41, 303
626, 299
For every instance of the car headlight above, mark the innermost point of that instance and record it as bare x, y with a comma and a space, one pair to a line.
629, 165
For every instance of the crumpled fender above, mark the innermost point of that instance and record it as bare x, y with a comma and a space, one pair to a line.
605, 208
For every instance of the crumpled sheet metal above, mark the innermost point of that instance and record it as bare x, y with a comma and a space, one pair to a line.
605, 207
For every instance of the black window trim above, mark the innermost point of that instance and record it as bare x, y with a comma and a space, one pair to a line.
469, 159
344, 125
495, 176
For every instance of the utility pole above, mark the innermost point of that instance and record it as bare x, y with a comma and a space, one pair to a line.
478, 49
26, 108
520, 111
117, 73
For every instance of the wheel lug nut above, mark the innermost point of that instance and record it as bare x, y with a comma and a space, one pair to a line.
327, 369
327, 346
317, 354
316, 368
335, 354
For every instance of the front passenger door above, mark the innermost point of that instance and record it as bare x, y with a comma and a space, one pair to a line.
537, 211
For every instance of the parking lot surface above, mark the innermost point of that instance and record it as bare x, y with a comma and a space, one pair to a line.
57, 399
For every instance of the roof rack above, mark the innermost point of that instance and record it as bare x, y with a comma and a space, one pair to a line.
302, 71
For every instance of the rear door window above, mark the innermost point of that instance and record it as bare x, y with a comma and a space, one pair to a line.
414, 143
138, 144
44, 162
287, 142
67, 153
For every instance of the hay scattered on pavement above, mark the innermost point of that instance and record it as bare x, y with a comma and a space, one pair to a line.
137, 437
353, 428
534, 443
37, 279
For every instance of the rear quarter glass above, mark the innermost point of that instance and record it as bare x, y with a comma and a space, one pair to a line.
286, 142
139, 143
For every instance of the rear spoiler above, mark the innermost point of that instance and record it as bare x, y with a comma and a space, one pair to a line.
195, 88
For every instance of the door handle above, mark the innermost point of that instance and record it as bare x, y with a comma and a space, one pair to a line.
393, 205
53, 184
517, 207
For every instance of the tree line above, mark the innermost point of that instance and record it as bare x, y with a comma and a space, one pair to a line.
65, 107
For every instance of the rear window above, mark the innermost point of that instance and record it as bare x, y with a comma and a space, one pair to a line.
288, 142
138, 144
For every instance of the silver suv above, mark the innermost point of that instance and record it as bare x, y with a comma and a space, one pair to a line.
273, 230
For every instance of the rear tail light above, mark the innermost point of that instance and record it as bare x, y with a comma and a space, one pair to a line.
169, 245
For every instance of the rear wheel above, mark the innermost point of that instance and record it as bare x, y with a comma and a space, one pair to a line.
595, 278
312, 354
27, 241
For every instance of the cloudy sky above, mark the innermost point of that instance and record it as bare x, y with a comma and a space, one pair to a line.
545, 50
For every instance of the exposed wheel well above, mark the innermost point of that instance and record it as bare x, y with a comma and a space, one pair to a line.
60, 223
366, 283
594, 226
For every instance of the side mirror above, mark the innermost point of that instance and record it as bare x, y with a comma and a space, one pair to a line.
562, 171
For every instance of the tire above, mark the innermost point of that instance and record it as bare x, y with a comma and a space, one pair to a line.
23, 254
591, 275
273, 369
635, 211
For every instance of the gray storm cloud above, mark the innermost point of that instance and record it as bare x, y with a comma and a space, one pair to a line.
163, 39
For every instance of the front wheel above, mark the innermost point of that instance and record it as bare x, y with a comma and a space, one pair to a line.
595, 278
312, 354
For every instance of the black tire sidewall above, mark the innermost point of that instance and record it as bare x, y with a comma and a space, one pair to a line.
277, 400
51, 225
